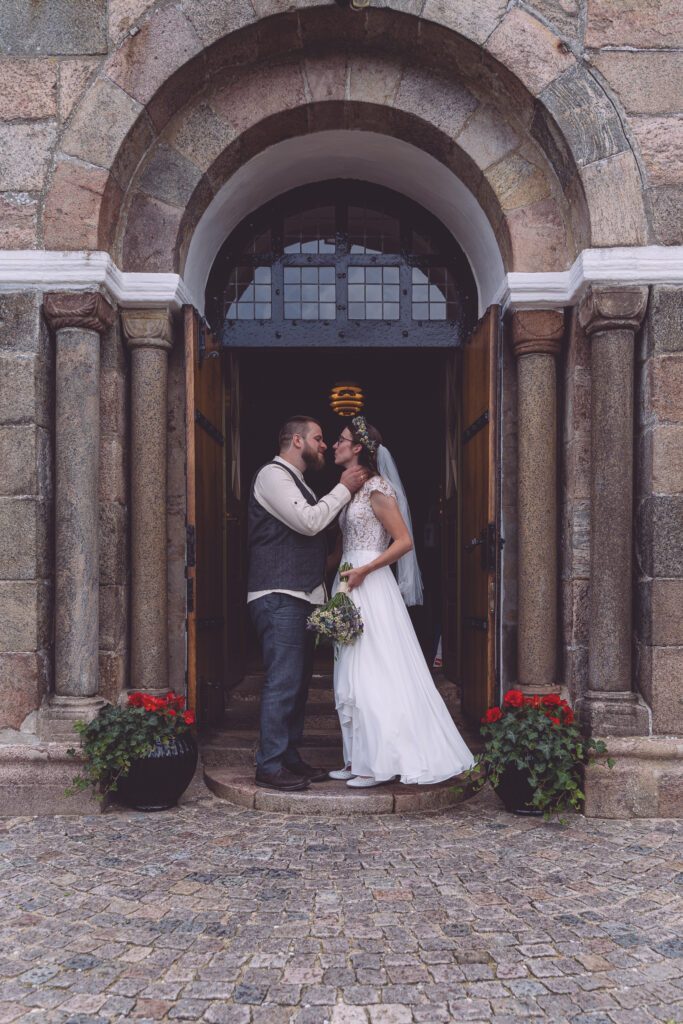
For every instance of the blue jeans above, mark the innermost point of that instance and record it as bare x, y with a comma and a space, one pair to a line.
287, 648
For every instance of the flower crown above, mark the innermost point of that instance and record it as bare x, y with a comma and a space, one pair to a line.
360, 427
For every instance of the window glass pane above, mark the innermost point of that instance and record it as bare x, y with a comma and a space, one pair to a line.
356, 274
436, 298
391, 311
373, 292
356, 292
390, 275
310, 231
262, 310
310, 300
373, 231
356, 311
373, 275
373, 310
240, 291
391, 293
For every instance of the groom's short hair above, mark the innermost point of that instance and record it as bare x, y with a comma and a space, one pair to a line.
294, 425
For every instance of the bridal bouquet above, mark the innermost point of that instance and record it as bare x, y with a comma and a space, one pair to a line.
338, 621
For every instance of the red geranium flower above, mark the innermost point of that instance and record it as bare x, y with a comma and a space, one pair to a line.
492, 715
188, 717
568, 716
554, 720
552, 700
515, 698
533, 702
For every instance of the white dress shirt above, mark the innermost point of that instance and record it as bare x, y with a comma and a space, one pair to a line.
277, 493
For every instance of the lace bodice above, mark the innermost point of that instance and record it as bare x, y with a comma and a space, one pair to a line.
361, 529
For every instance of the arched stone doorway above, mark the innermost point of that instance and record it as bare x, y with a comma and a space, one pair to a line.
336, 280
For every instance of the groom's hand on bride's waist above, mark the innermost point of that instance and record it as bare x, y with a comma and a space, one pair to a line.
354, 478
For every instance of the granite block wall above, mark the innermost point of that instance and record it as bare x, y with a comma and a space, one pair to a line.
26, 509
659, 515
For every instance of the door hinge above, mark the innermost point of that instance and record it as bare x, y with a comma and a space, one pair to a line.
190, 546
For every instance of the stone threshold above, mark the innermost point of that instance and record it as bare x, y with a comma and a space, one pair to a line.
235, 786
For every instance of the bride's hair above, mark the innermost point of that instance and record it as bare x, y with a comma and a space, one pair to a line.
365, 456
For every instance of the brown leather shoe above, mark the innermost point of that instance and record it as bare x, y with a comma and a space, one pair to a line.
283, 780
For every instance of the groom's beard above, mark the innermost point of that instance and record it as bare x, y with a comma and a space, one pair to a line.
313, 460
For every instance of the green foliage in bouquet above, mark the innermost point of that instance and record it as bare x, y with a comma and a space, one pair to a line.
338, 621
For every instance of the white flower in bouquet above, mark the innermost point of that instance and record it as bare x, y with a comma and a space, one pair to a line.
338, 621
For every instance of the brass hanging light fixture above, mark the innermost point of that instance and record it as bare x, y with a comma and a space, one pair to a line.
346, 398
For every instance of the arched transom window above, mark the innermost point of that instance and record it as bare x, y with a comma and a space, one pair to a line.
341, 263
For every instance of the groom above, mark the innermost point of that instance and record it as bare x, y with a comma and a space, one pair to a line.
287, 552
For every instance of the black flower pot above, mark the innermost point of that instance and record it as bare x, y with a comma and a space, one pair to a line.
516, 792
157, 781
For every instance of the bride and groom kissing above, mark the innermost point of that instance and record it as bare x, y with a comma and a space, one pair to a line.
392, 718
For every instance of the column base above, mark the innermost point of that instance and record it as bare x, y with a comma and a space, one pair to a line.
613, 714
645, 782
538, 689
57, 716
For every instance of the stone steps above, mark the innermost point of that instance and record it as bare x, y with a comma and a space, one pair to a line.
228, 755
238, 787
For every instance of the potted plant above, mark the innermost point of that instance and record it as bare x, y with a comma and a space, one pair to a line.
534, 754
143, 751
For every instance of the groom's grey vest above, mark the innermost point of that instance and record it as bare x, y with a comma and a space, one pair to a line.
281, 558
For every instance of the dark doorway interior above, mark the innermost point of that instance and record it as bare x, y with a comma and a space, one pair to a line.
403, 392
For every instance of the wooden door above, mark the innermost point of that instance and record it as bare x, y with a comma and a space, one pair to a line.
205, 562
235, 527
480, 542
450, 521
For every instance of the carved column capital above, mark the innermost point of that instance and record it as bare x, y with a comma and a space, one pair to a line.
148, 328
537, 331
89, 311
611, 308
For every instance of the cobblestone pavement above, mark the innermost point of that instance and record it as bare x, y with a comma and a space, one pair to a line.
218, 914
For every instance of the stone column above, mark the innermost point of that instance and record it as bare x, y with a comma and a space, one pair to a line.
537, 339
611, 316
78, 319
149, 336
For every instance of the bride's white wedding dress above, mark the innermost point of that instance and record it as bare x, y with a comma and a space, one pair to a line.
392, 717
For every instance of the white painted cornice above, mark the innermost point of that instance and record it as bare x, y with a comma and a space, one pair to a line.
52, 271
40, 270
646, 265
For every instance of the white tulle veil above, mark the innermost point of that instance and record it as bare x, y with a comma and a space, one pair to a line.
409, 576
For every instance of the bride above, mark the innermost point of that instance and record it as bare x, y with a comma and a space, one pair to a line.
393, 720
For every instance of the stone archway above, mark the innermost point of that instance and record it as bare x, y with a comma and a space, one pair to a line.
518, 119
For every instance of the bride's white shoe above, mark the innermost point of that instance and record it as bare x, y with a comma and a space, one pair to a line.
342, 774
362, 782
